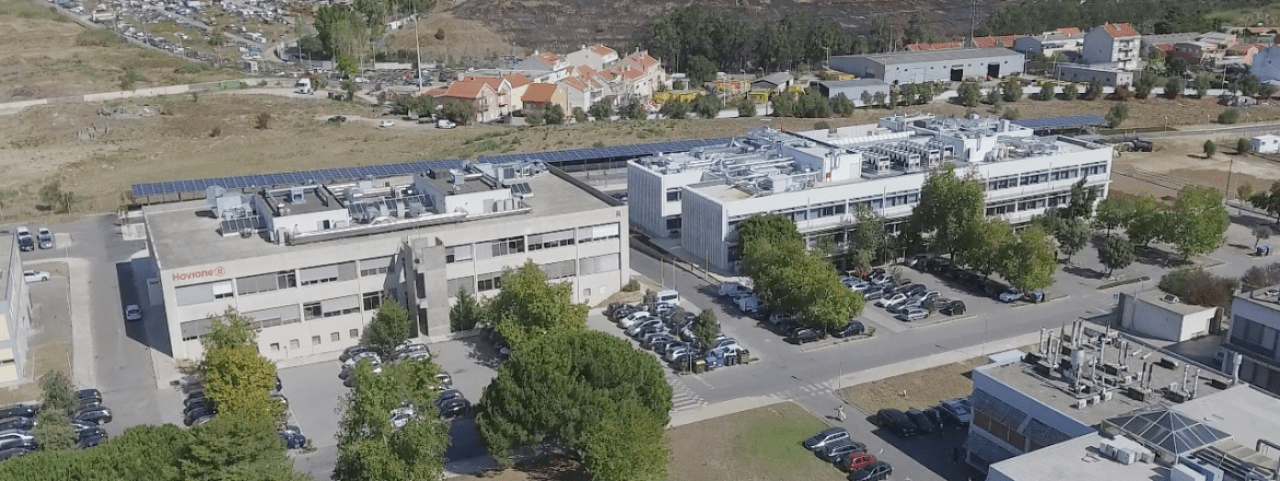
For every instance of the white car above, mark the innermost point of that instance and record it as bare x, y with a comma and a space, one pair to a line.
635, 317
133, 313
445, 124
387, 123
35, 276
893, 300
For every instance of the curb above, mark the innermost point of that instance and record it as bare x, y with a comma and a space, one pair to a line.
1050, 301
835, 342
938, 321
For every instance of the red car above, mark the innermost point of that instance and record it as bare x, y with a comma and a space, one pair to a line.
855, 462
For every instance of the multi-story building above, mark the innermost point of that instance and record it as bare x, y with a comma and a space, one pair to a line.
1117, 45
596, 56
1255, 325
15, 307
1071, 385
1059, 42
311, 263
820, 179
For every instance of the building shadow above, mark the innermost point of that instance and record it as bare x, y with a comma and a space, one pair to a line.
936, 452
153, 317
483, 350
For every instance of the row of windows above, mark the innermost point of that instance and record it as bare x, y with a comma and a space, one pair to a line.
274, 281
1042, 176
315, 340
516, 245
673, 195
998, 429
1029, 203
488, 282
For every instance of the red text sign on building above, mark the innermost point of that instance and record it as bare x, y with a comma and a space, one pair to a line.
200, 274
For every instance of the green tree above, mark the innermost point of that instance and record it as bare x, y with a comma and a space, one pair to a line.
553, 114
918, 29
54, 432
1011, 90
1243, 146
1113, 212
389, 328
1070, 91
1147, 221
1210, 148
349, 86
236, 447
1029, 260
236, 377
1197, 221
949, 206
1143, 83
1116, 253
1173, 87
633, 110
1048, 90
1082, 200
1229, 116
466, 313
674, 109
56, 199
707, 106
529, 307
1117, 115
1260, 234
588, 392
58, 395
1094, 92
969, 94
1268, 200
347, 65
461, 113
1073, 235
746, 107
789, 276
1201, 83
601, 110
865, 239
370, 448
141, 452
990, 243
579, 115
700, 70
706, 328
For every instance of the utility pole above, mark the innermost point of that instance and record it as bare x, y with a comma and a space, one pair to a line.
418, 48
973, 25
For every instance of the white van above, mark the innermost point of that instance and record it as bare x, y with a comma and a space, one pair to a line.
669, 296
750, 304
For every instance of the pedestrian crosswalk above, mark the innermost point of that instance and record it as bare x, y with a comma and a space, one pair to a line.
683, 398
801, 392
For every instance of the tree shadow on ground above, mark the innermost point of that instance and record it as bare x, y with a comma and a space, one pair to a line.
1155, 257
482, 349
1084, 272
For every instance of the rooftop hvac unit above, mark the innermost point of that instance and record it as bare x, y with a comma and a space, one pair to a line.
297, 195
1181, 472
365, 185
1206, 471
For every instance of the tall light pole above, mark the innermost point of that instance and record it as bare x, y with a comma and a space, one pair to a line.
418, 48
828, 64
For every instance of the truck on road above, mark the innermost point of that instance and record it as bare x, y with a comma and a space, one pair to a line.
303, 86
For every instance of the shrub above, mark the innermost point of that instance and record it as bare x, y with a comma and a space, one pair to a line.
633, 286
821, 125
1229, 116
1117, 114
217, 131
1198, 287
263, 121
1011, 114
1243, 146
598, 144
97, 38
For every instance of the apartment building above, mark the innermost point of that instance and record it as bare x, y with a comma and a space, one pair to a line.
15, 308
1255, 324
312, 262
1114, 44
821, 178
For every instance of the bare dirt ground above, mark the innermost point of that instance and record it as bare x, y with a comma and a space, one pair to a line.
42, 59
1181, 161
462, 38
1143, 113
920, 389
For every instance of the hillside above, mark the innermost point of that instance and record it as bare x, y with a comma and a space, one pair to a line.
564, 25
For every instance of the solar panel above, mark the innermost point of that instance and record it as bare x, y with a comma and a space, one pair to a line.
242, 224
1061, 122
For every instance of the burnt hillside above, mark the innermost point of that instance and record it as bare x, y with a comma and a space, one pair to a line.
563, 25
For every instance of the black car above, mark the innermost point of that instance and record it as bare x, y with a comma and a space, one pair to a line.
17, 422
92, 440
193, 396
97, 415
922, 422
89, 396
936, 417
14, 452
873, 472
190, 417
92, 431
955, 308
350, 352
804, 335
448, 395
834, 451
455, 407
896, 421
293, 438
19, 410
200, 404
279, 385
853, 328
17, 443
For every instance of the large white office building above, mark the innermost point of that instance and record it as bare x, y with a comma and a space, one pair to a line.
15, 314
820, 178
311, 263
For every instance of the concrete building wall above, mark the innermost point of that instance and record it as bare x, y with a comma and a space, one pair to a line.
648, 198
1266, 64
1254, 333
1086, 74
928, 70
1030, 409
706, 234
852, 91
15, 316
1154, 320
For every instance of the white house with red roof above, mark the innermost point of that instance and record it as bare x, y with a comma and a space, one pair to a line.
596, 56
1115, 44
479, 94
544, 67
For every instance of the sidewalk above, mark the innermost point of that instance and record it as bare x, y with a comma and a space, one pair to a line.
81, 332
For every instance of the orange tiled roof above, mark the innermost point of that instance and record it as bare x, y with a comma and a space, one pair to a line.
516, 80
539, 93
602, 50
1164, 47
1067, 30
435, 92
643, 60
1120, 30
576, 83
1242, 47
466, 89
632, 74
493, 82
916, 47
1000, 41
548, 58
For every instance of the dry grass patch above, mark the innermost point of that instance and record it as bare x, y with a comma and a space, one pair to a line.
762, 444
920, 389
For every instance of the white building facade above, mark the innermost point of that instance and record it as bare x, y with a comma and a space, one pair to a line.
311, 264
820, 179
1117, 44
15, 308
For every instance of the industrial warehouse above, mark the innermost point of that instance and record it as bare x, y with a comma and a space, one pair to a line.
933, 65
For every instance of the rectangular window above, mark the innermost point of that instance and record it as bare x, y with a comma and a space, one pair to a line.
311, 310
560, 270
598, 264
464, 283
315, 340
488, 282
457, 254
194, 329
335, 337
597, 233
673, 223
548, 240
376, 266
499, 247
194, 294
339, 306
276, 316
294, 344
353, 334
673, 194
319, 274
222, 290
372, 300
275, 347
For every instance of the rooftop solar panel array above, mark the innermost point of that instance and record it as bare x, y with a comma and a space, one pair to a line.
1061, 122
575, 155
290, 178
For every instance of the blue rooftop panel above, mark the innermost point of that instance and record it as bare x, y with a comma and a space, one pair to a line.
1061, 122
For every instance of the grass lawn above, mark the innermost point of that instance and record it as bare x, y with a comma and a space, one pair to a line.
922, 389
762, 444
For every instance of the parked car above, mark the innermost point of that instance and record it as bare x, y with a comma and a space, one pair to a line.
132, 313
90, 395
15, 452
804, 335
875, 471
193, 396
17, 422
92, 431
854, 461
387, 123
1014, 295
22, 410
35, 276
18, 443
350, 352
728, 289
953, 308
96, 414
204, 404
633, 318
832, 452
896, 421
958, 410
636, 328
912, 314
93, 439
445, 124
20, 434
895, 299
455, 408
45, 237
873, 293
922, 422
826, 436
292, 437
853, 328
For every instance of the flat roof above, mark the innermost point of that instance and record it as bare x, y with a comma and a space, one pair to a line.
185, 234
1053, 391
1156, 298
315, 200
858, 82
467, 186
897, 58
6, 256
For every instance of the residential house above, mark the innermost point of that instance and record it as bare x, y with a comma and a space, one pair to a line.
519, 83
503, 89
1113, 43
596, 56
1150, 42
544, 67
1052, 43
478, 94
642, 74
1266, 64
1240, 54
583, 91
1005, 41
777, 82
1206, 50
539, 96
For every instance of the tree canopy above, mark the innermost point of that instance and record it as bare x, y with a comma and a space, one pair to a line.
789, 276
528, 306
370, 448
587, 391
236, 377
1116, 253
1197, 221
1029, 260
389, 328
948, 214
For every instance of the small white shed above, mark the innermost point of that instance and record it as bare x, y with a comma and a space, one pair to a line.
1163, 316
1265, 144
